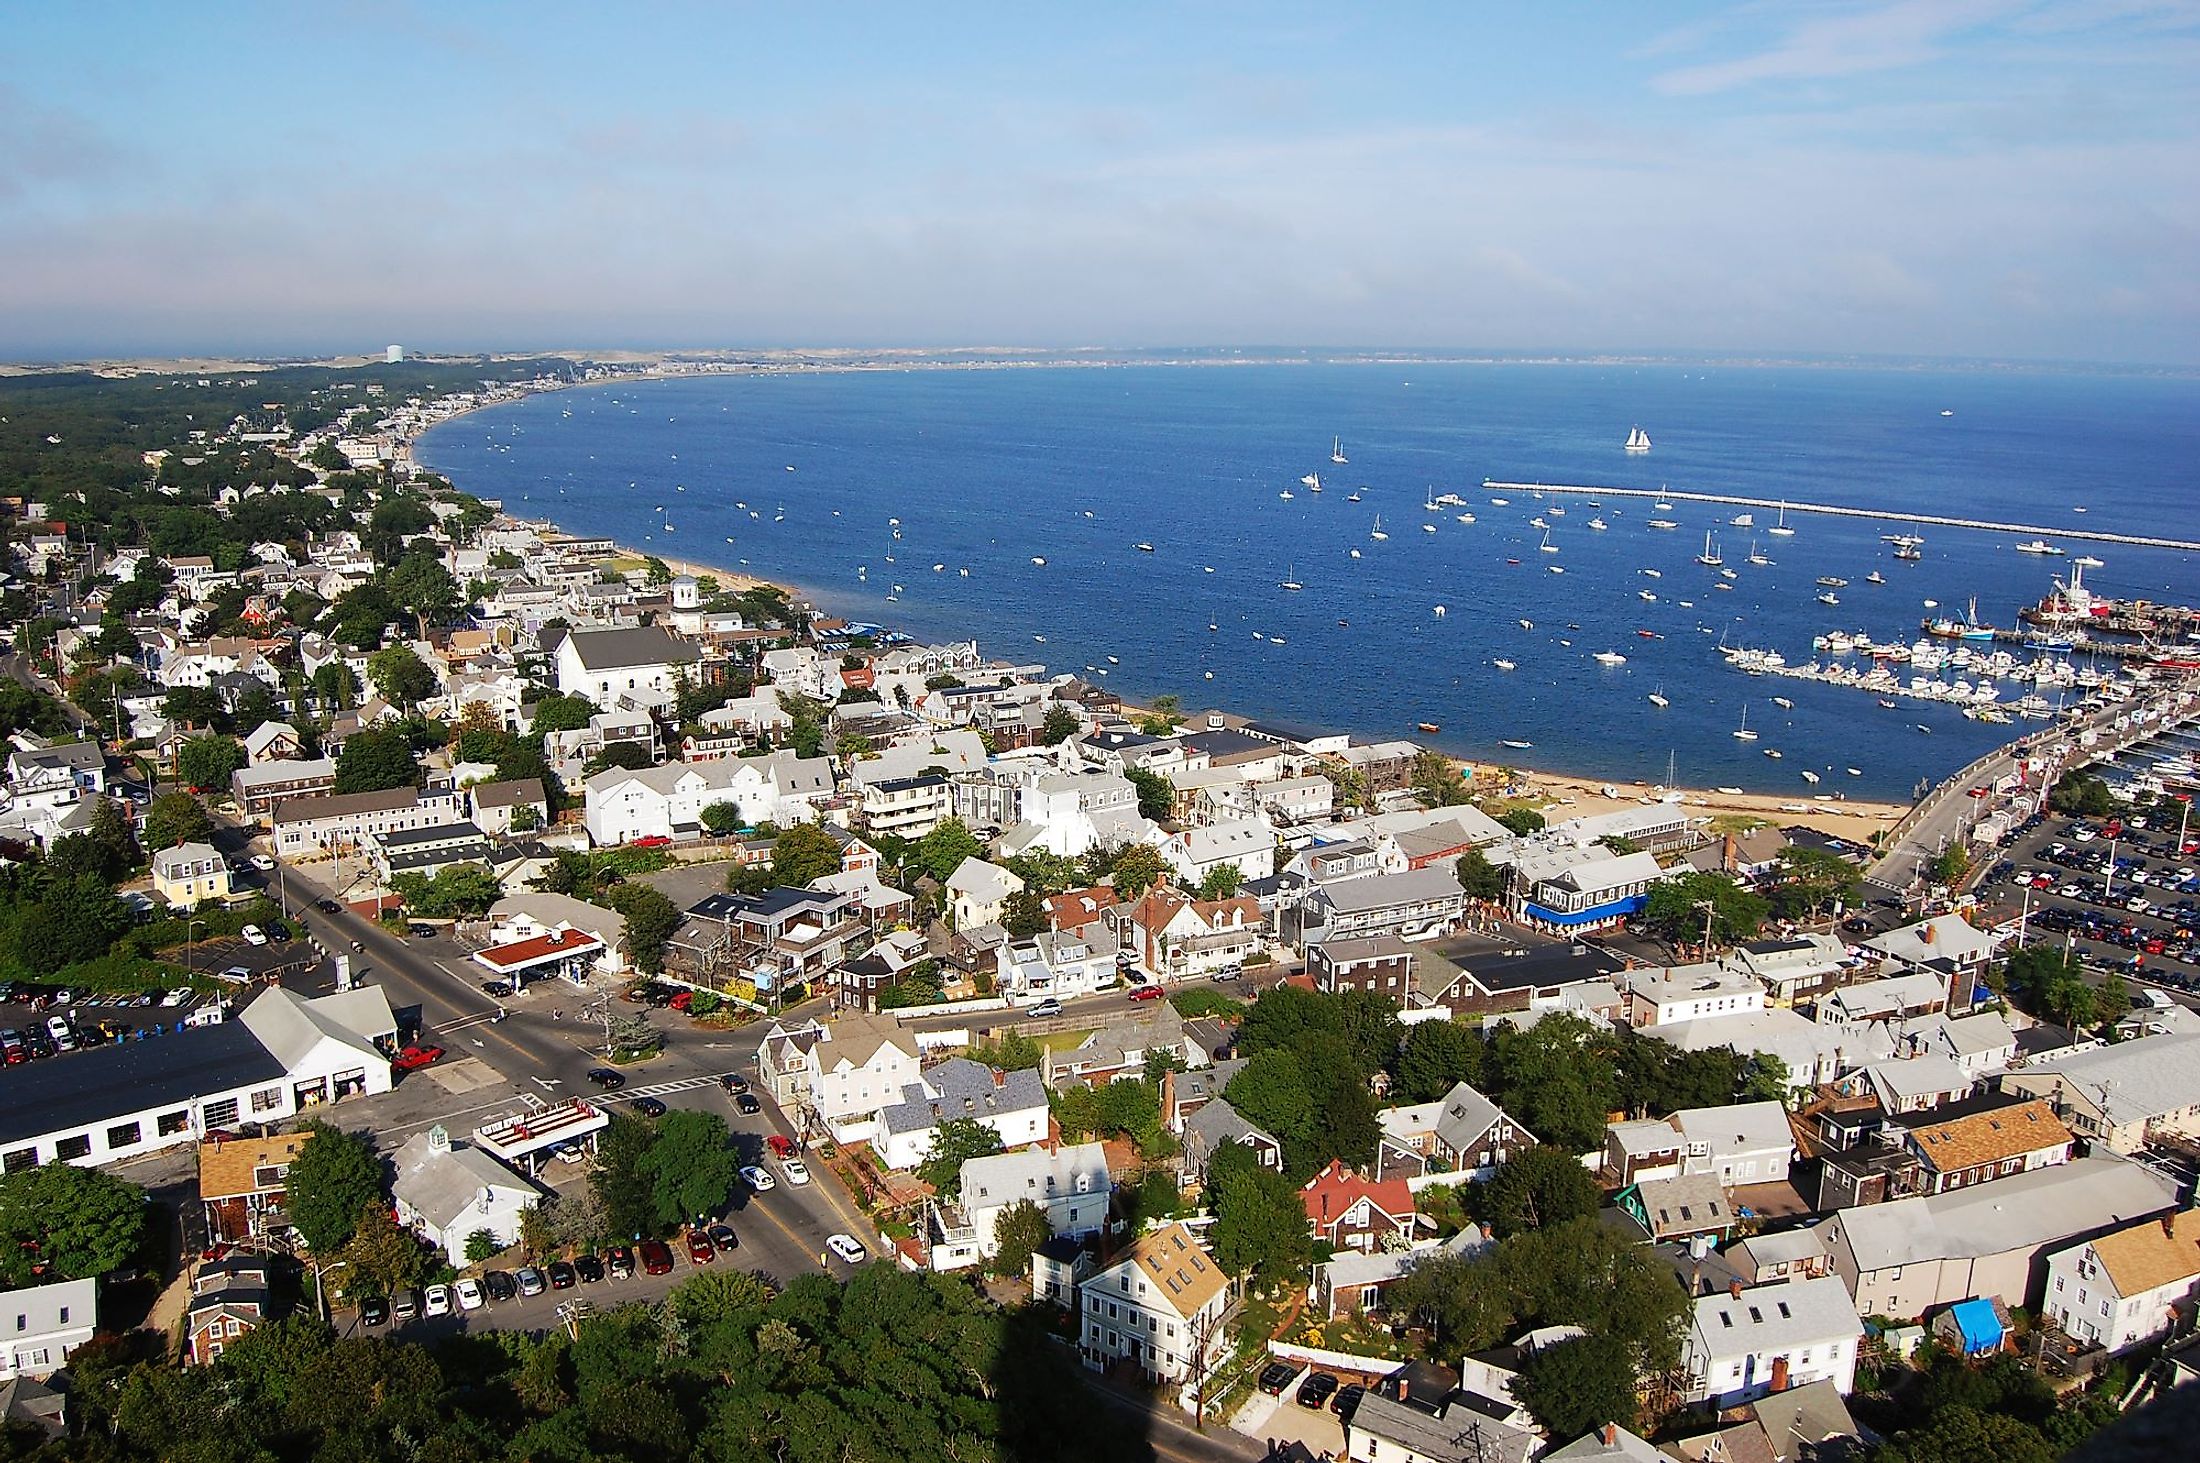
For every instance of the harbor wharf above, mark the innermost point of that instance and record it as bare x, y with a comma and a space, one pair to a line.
1835, 510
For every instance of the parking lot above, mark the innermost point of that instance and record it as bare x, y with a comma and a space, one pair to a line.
2126, 897
39, 1021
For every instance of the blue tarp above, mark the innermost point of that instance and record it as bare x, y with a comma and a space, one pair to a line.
1979, 1326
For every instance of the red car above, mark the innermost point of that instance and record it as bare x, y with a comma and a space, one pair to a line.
699, 1249
1145, 993
780, 1144
650, 840
683, 1000
414, 1057
656, 1257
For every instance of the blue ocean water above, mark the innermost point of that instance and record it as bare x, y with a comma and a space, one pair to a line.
988, 470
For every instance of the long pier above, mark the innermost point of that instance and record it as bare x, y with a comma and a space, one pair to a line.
1835, 510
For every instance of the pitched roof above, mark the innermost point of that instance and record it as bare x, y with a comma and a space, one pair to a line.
2158, 1252
1773, 1317
2019, 1212
1178, 1268
603, 650
442, 1184
1328, 1194
1988, 1137
228, 1170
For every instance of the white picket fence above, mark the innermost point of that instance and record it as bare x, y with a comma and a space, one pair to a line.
1342, 1361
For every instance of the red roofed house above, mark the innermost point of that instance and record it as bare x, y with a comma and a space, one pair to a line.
1349, 1212
1078, 908
1175, 936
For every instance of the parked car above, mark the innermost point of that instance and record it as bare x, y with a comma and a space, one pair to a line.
420, 931
848, 1247
699, 1247
1347, 1401
1047, 1007
734, 1082
656, 1257
263, 863
562, 1275
253, 935
374, 1311
723, 1237
589, 1268
500, 1285
780, 1144
759, 1180
497, 989
1276, 1376
531, 1281
747, 1105
619, 1260
1314, 1392
439, 1301
277, 931
651, 840
606, 1078
795, 1170
1145, 993
648, 1107
405, 1305
468, 1294
415, 1057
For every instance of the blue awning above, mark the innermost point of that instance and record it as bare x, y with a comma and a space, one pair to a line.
1610, 909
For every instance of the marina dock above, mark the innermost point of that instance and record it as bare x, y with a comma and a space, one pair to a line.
1834, 510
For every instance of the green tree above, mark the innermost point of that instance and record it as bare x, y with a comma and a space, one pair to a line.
942, 851
62, 1222
1677, 908
1966, 1435
2081, 794
626, 1193
1436, 781
1138, 869
1024, 915
74, 919
382, 1255
481, 1245
804, 854
1580, 1384
336, 686
1059, 726
401, 677
426, 588
1260, 1221
206, 762
1437, 1056
375, 760
690, 1166
953, 1142
651, 919
176, 817
1018, 1231
335, 1178
1951, 864
1481, 879
1810, 881
193, 705
1221, 882
556, 713
1764, 1078
1156, 794
1522, 821
1537, 1188
723, 818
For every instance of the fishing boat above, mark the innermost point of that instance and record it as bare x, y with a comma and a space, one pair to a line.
1287, 493
1638, 440
1709, 558
1610, 657
1828, 598
2038, 546
1527, 624
1291, 579
1336, 451
1875, 577
1466, 518
1743, 520
1663, 523
1781, 529
1909, 553
1500, 502
1657, 698
1539, 521
1774, 753
1378, 535
1503, 664
1742, 733
1428, 528
1599, 524
1783, 703
1832, 581
1646, 596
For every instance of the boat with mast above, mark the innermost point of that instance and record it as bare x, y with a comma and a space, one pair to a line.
1336, 451
1657, 697
1638, 440
1291, 579
1743, 733
1378, 535
1311, 480
1709, 558
1781, 529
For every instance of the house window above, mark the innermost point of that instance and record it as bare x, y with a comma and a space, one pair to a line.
267, 1099
73, 1147
64, 1315
220, 1114
22, 1323
18, 1159
2058, 1285
40, 1357
169, 1124
123, 1135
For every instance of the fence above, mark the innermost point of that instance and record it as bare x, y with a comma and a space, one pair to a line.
1342, 1361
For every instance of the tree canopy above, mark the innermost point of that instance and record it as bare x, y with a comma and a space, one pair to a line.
335, 1178
62, 1222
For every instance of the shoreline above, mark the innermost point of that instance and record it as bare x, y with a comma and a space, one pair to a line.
1580, 792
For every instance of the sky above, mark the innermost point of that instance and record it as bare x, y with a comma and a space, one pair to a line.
1946, 178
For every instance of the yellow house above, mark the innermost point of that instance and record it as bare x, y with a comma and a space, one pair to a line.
190, 872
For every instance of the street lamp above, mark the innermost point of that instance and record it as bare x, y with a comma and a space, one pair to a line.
188, 926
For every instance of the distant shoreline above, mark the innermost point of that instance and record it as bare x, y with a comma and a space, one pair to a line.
1853, 820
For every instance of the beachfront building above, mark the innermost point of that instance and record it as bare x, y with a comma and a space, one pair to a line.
1572, 890
1421, 904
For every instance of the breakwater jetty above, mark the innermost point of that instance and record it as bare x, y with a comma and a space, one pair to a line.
1835, 510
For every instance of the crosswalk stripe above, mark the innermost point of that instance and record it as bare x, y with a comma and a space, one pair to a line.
685, 1084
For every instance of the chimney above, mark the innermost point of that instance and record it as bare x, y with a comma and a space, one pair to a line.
1734, 1289
1000, 1079
1730, 853
1779, 1374
1611, 1434
1926, 934
1405, 1387
2169, 1225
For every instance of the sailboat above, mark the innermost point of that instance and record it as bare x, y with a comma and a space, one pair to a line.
1743, 733
1547, 546
1291, 579
1781, 529
1657, 697
1312, 480
1378, 535
1757, 556
1709, 558
1336, 451
1287, 493
1638, 440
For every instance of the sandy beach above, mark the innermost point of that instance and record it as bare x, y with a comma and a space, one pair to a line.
1856, 821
